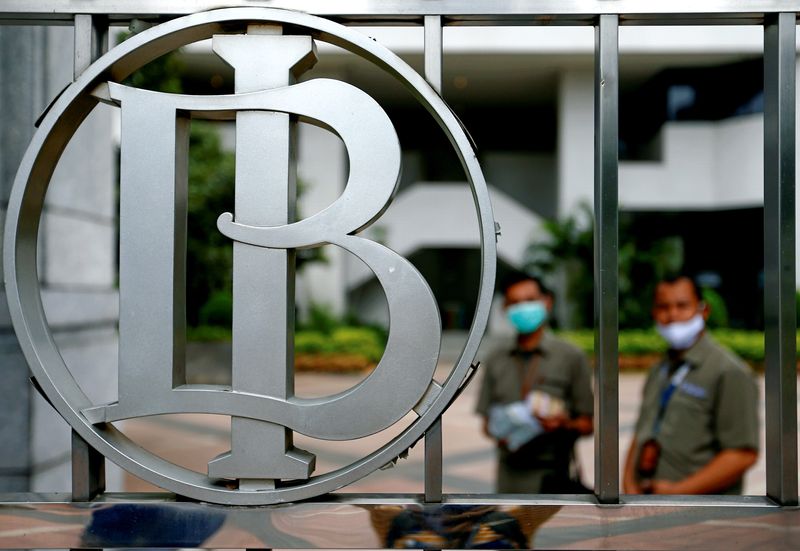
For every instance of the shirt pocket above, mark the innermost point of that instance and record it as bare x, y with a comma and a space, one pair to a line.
688, 420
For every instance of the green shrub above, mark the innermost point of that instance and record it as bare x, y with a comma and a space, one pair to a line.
632, 342
312, 342
797, 304
637, 342
320, 319
206, 333
749, 345
218, 310
582, 338
719, 312
361, 341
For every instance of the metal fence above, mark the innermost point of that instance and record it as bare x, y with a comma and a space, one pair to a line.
610, 521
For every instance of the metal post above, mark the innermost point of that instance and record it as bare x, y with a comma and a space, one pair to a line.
433, 51
606, 315
779, 257
88, 470
91, 41
433, 436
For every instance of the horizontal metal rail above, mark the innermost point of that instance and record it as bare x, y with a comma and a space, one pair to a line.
364, 522
454, 12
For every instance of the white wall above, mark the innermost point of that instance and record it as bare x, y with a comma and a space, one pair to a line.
442, 215
76, 258
575, 142
543, 39
704, 165
322, 169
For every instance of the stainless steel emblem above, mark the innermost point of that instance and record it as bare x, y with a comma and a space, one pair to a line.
261, 402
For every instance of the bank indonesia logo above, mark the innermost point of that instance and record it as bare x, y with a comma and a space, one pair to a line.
268, 50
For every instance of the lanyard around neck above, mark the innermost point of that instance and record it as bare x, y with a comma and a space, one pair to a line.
527, 373
674, 382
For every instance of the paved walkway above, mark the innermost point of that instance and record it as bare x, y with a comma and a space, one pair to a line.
192, 440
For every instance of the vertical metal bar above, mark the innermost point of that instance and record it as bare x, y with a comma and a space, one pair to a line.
433, 437
83, 44
433, 463
779, 257
88, 470
263, 279
433, 51
606, 315
91, 41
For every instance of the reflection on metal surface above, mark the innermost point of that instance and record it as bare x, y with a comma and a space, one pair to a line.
263, 467
361, 522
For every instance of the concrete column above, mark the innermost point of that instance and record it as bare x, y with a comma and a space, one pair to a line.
77, 259
322, 173
22, 51
575, 152
575, 147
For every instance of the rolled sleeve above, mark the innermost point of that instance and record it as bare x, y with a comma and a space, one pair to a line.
583, 398
736, 411
485, 394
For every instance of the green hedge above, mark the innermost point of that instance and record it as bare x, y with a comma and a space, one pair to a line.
369, 342
359, 341
749, 345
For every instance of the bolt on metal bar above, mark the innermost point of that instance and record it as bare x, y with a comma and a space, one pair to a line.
433, 436
779, 257
606, 314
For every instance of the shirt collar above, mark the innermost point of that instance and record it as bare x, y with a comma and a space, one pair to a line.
699, 351
544, 348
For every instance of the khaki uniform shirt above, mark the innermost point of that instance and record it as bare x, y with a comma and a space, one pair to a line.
561, 371
714, 408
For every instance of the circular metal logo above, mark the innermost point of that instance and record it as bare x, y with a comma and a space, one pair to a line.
267, 49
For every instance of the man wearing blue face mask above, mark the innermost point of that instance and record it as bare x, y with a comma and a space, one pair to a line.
543, 379
697, 431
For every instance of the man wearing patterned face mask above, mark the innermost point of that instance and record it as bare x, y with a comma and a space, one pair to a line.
697, 431
543, 383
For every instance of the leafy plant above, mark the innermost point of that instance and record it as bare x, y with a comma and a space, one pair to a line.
218, 310
209, 254
312, 342
718, 317
321, 319
358, 340
568, 252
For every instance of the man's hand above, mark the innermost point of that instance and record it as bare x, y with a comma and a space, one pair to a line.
727, 467
717, 475
582, 424
554, 422
664, 487
630, 484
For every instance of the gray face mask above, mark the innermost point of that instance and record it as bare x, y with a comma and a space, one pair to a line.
680, 335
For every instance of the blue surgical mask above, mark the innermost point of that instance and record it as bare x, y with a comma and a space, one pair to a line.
527, 317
